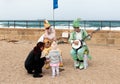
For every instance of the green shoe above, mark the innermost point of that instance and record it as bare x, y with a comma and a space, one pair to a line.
76, 64
81, 66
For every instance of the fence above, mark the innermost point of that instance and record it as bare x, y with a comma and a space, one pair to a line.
57, 23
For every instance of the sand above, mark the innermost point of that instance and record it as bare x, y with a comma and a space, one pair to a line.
104, 68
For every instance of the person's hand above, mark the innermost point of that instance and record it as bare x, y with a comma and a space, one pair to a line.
47, 61
90, 35
76, 42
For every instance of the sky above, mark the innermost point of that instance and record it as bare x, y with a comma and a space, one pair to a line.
67, 9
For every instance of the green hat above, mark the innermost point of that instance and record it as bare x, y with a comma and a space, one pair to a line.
76, 23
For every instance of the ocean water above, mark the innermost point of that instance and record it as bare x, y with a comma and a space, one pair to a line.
61, 24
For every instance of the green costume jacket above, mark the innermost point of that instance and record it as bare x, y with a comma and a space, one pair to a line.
73, 35
83, 34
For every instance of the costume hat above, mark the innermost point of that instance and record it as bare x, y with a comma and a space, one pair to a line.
46, 24
76, 23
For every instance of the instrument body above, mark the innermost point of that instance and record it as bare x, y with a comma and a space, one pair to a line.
77, 46
47, 42
80, 42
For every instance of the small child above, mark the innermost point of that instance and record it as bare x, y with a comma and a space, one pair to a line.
55, 59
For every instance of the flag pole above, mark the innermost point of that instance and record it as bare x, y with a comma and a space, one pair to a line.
53, 19
55, 5
53, 14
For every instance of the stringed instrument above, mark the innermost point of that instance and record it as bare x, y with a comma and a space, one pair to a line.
47, 42
80, 42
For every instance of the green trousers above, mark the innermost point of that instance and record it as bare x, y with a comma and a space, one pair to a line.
78, 54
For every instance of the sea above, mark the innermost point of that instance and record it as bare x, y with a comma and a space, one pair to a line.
62, 24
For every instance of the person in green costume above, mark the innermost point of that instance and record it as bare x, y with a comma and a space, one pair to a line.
80, 54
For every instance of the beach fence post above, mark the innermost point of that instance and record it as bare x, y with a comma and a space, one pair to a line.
69, 24
40, 24
26, 24
110, 24
84, 24
101, 24
8, 24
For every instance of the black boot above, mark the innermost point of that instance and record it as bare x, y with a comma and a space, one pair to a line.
40, 71
29, 72
37, 75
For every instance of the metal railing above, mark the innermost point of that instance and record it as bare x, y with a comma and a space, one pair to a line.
57, 23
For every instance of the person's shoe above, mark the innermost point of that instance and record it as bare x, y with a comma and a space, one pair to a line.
81, 66
53, 76
61, 69
76, 64
37, 75
58, 75
29, 72
40, 71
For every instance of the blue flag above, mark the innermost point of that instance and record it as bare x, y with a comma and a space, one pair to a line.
55, 4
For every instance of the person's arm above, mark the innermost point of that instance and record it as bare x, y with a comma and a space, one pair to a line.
71, 38
37, 58
86, 34
41, 39
47, 57
54, 32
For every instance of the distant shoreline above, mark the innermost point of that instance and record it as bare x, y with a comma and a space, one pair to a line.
61, 24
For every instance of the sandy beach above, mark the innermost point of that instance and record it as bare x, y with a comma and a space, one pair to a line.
104, 68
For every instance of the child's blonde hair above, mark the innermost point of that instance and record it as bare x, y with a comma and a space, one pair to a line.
54, 45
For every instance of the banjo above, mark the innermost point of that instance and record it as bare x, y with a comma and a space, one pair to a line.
80, 42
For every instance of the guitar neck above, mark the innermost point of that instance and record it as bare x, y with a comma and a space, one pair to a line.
85, 37
90, 34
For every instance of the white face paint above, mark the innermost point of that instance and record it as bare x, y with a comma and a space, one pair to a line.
50, 33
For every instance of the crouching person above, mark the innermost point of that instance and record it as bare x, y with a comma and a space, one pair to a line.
34, 62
